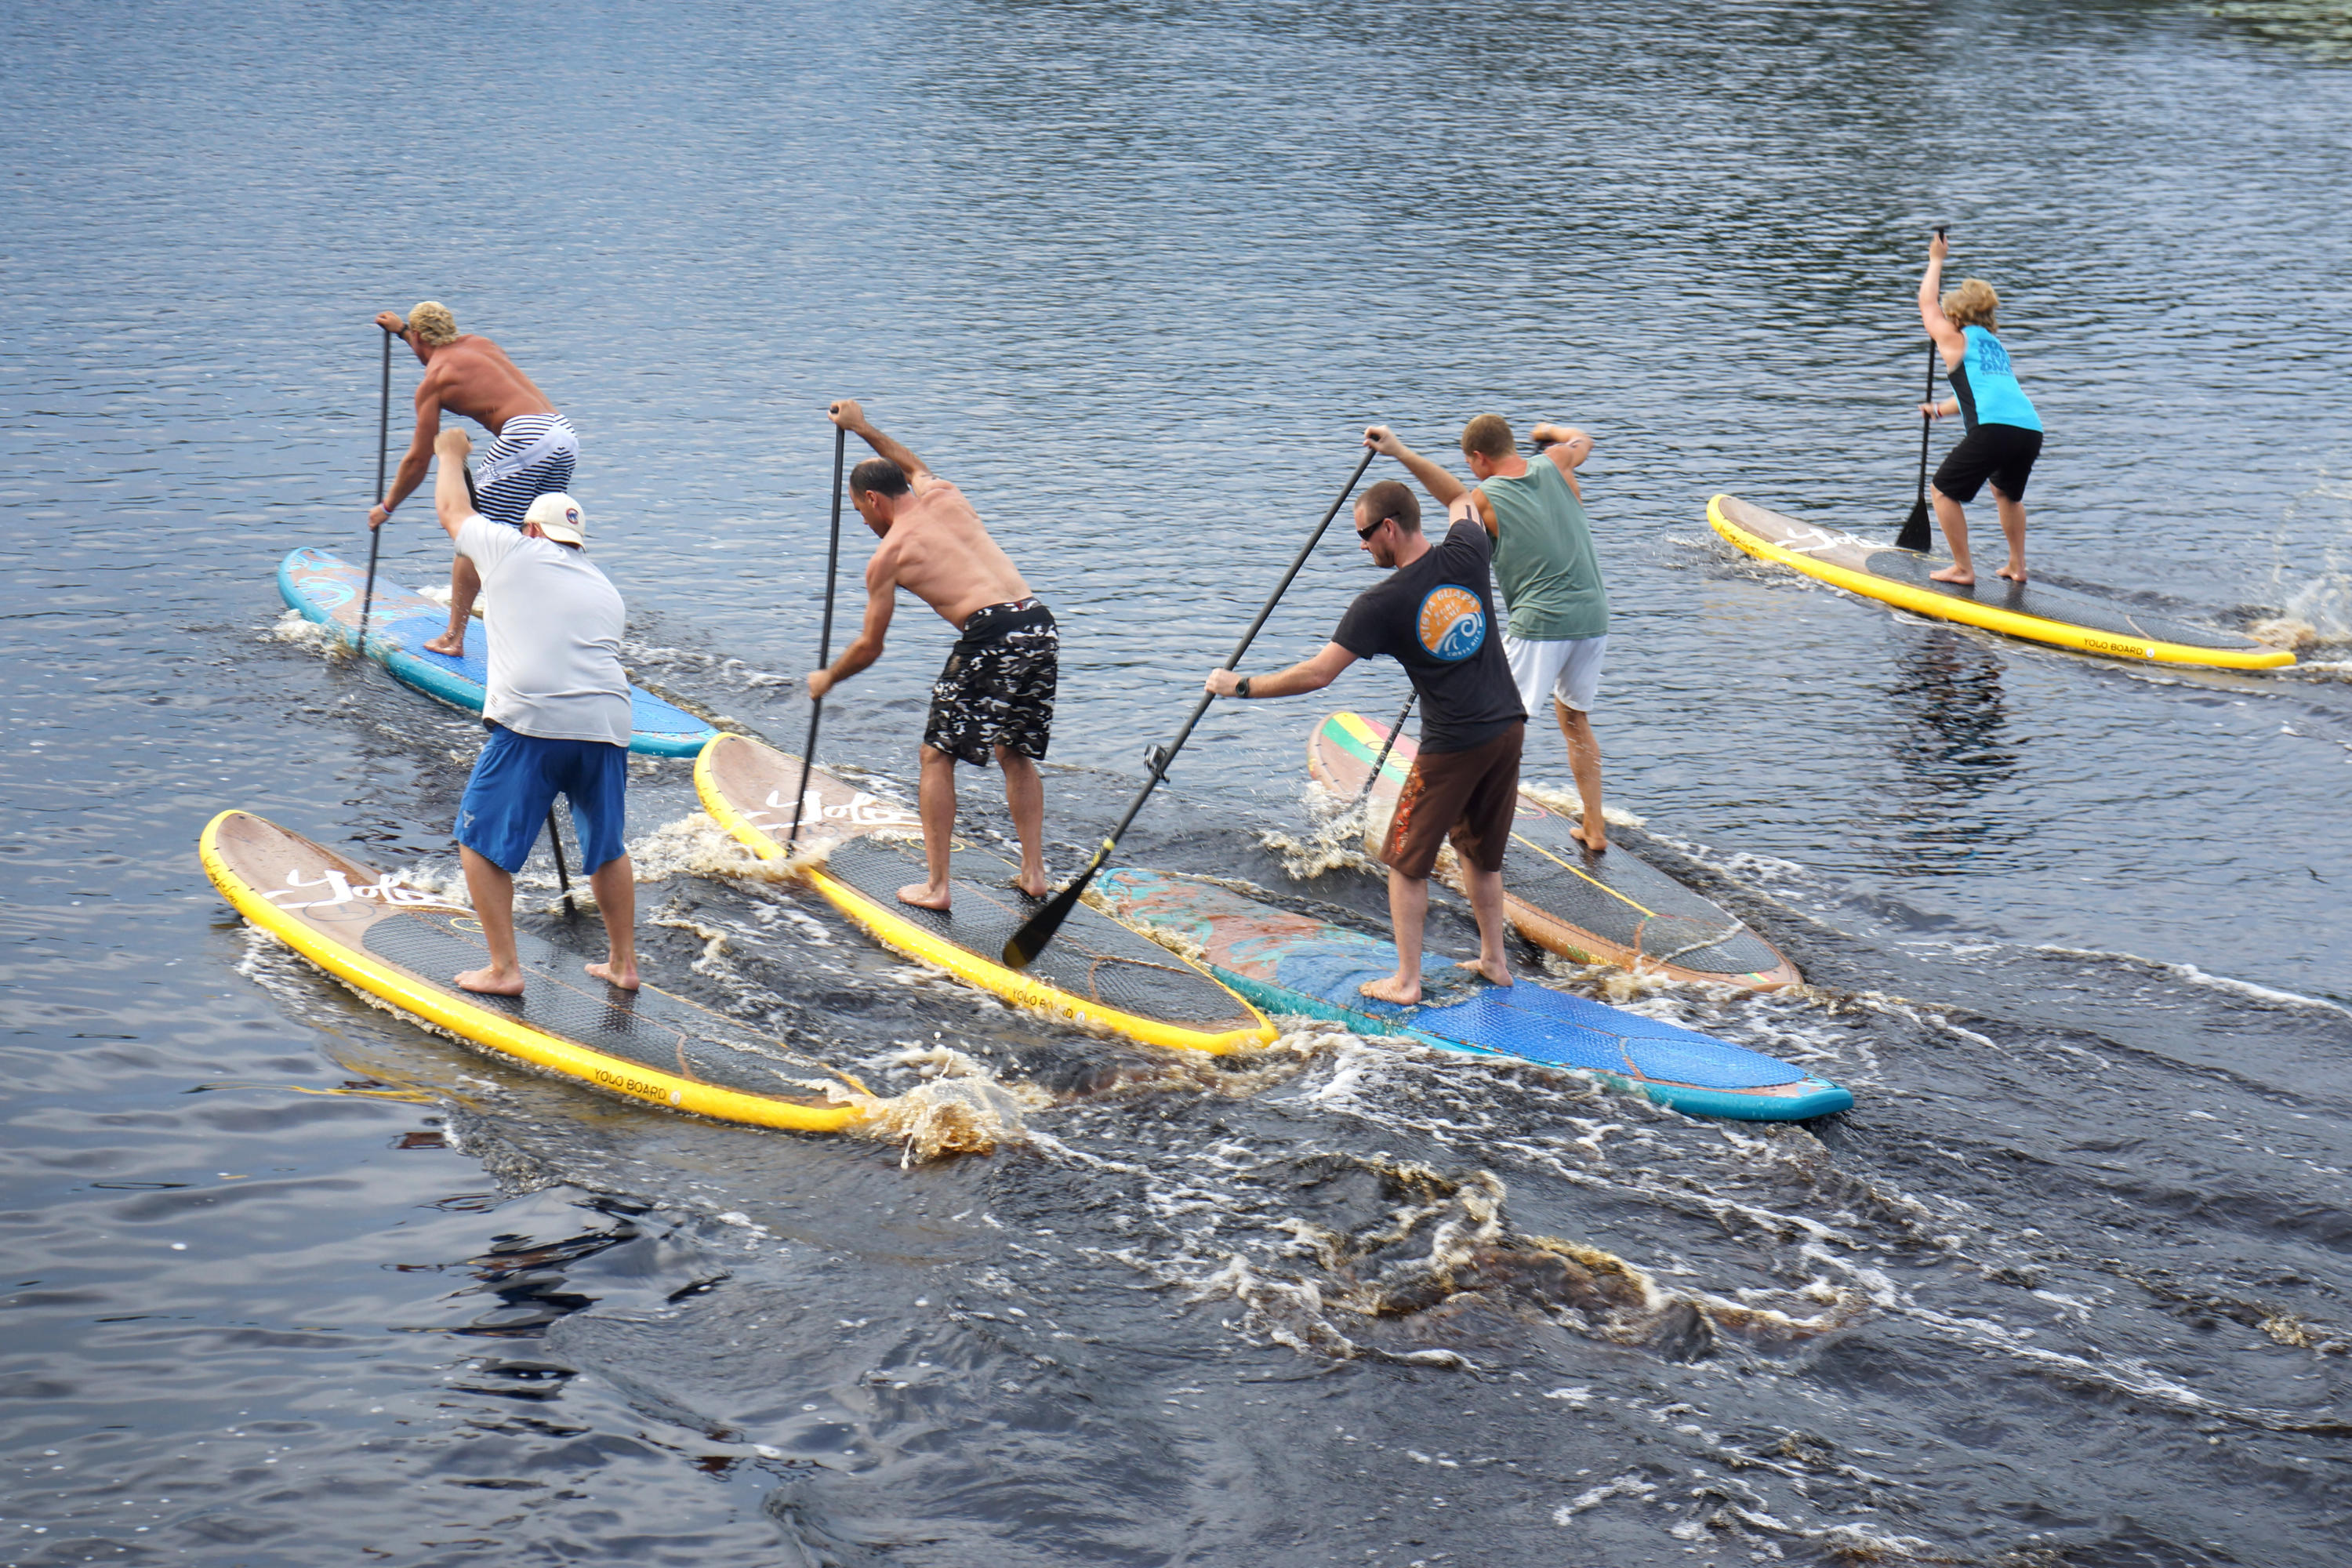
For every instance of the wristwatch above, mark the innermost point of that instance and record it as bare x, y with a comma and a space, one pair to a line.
1241, 688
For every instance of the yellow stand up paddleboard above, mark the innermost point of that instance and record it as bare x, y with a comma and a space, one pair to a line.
2038, 612
403, 945
1097, 971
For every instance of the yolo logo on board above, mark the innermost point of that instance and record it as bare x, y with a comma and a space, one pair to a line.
1453, 624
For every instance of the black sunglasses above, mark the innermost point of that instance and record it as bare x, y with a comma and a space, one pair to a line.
1365, 534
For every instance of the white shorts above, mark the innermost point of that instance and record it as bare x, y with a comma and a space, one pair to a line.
1568, 670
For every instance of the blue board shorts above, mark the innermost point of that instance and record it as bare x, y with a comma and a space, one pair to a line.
515, 782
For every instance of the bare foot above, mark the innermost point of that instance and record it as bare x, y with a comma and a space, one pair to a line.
1500, 973
923, 896
1040, 891
490, 983
1953, 575
625, 978
451, 643
2013, 572
1392, 989
1597, 843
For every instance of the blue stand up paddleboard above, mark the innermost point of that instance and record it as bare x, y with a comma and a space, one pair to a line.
1288, 962
326, 589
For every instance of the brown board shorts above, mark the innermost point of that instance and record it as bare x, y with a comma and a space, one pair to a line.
1472, 795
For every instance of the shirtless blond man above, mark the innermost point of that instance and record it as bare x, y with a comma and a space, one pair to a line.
534, 454
996, 694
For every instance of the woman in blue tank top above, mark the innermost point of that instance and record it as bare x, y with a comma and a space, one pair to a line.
2004, 433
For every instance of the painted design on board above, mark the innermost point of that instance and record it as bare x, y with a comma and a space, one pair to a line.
861, 810
1453, 624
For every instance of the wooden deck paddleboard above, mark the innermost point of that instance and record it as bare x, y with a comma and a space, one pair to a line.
2038, 612
1611, 907
1291, 963
327, 589
1096, 972
403, 945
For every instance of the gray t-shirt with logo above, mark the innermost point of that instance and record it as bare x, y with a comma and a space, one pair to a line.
555, 625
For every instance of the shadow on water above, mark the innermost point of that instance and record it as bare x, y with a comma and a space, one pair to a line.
1954, 749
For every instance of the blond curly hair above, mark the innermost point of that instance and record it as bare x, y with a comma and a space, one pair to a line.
433, 325
1971, 304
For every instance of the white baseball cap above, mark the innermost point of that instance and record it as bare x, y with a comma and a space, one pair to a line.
560, 518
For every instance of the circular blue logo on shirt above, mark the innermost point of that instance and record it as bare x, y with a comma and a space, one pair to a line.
1451, 622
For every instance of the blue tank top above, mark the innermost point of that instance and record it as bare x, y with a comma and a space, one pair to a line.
1987, 386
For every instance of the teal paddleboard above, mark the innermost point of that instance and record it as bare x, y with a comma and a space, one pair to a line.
326, 589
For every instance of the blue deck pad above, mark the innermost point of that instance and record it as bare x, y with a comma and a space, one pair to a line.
326, 589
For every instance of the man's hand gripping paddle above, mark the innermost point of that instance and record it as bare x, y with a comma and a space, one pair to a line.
1039, 929
1915, 534
823, 641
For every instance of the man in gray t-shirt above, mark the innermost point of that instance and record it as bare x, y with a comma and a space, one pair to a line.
558, 713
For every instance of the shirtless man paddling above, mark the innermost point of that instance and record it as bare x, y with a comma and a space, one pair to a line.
532, 456
996, 694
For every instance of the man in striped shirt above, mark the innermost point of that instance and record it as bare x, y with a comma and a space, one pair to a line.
533, 453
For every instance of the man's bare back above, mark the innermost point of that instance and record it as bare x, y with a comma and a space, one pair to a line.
470, 377
938, 551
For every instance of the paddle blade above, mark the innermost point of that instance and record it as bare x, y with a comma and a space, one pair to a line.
1915, 534
1026, 944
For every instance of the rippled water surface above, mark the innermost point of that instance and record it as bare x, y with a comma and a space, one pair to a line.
290, 1280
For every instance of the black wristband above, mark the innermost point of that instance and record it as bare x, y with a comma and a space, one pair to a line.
1241, 688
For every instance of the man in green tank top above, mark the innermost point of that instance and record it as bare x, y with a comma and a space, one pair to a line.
1550, 578
1546, 568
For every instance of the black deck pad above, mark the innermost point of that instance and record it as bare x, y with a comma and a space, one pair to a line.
647, 1027
1094, 957
1664, 920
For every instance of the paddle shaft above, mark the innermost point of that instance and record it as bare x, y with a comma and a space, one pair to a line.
1382, 760
382, 442
1030, 941
823, 638
1915, 534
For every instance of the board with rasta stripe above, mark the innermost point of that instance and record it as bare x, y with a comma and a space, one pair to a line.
1286, 962
404, 943
1610, 908
862, 849
2037, 612
328, 589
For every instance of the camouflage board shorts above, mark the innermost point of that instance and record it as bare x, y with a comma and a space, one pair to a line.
998, 687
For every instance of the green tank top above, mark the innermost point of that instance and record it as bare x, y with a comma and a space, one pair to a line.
1544, 560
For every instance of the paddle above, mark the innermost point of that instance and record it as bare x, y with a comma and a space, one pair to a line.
1381, 760
1915, 534
554, 838
382, 439
1038, 930
824, 639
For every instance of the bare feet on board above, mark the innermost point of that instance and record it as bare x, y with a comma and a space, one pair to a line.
450, 642
1596, 843
1499, 971
490, 982
2015, 572
1959, 577
923, 896
1392, 989
624, 976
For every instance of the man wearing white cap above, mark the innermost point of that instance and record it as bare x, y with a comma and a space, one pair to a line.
558, 713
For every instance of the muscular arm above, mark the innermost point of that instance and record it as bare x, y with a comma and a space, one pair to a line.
414, 462
1949, 341
1566, 447
1308, 674
451, 503
851, 418
1442, 488
881, 600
